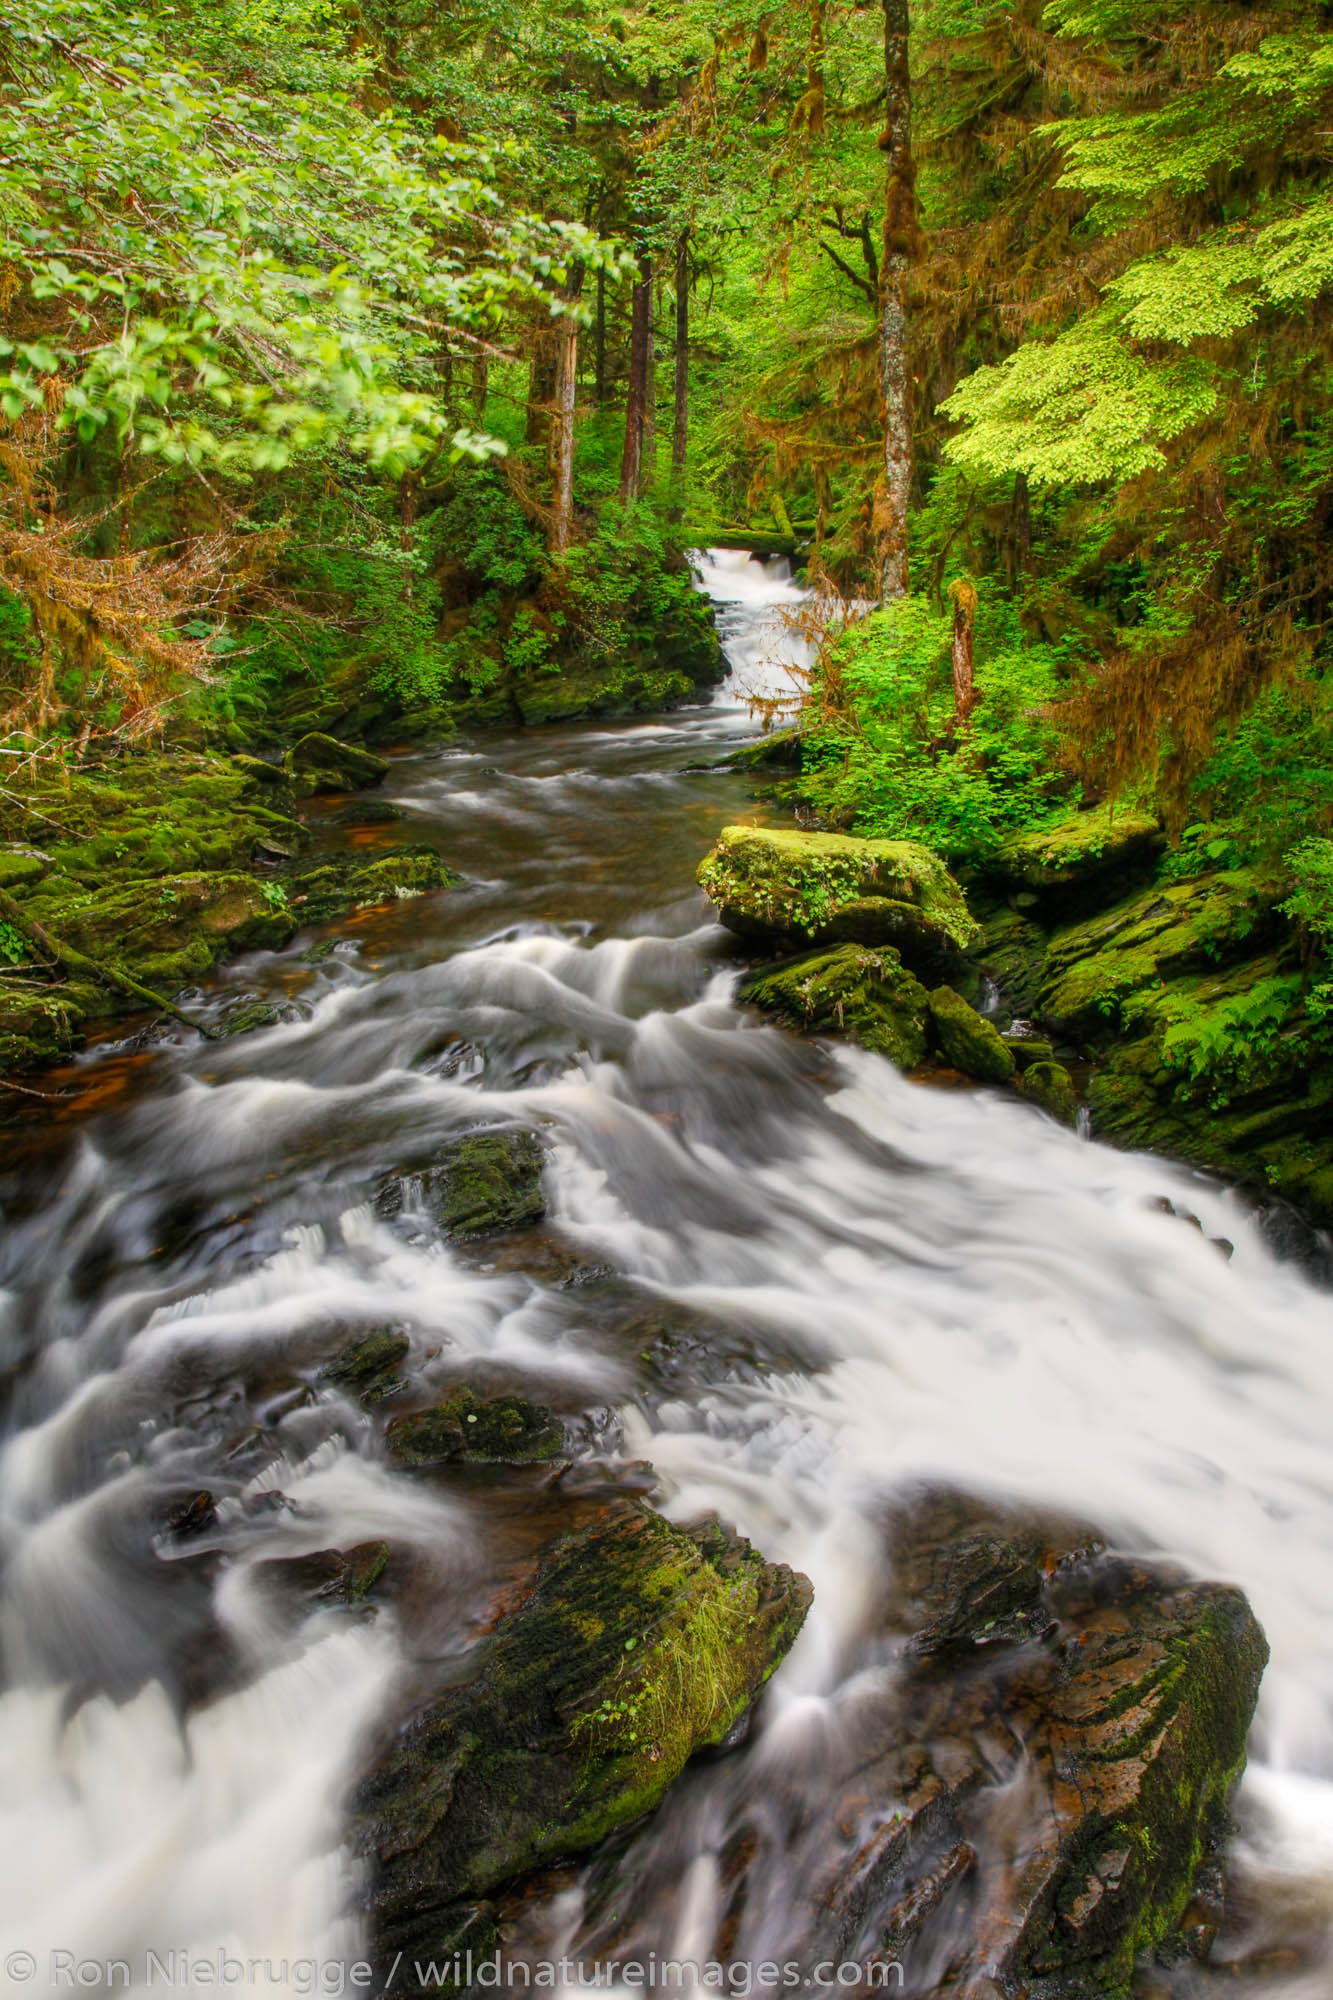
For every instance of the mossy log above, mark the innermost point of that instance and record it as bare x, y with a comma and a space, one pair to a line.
99, 970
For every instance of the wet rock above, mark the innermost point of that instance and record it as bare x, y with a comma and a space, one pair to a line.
321, 763
814, 888
866, 995
481, 1185
370, 1368
1050, 1086
329, 1576
632, 1645
463, 1430
194, 1514
321, 895
967, 1040
1035, 1801
246, 1016
777, 750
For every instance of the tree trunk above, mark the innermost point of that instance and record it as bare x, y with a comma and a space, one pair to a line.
541, 388
562, 433
631, 464
481, 385
680, 430
900, 249
964, 620
599, 343
648, 463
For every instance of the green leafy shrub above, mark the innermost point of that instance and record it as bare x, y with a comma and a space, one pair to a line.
894, 764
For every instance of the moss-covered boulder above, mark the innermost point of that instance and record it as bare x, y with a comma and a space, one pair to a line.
633, 1645
1050, 1087
464, 1430
1035, 1803
774, 886
866, 995
350, 882
1093, 968
481, 1185
320, 763
370, 1368
967, 1040
1086, 857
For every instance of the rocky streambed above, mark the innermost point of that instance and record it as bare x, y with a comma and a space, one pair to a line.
539, 1464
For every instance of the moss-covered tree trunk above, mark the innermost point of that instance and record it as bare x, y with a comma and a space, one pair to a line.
680, 430
900, 238
636, 406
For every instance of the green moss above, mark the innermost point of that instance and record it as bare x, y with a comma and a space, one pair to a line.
504, 1430
1050, 1086
370, 1368
1078, 850
1093, 968
483, 1184
772, 883
865, 995
638, 1644
968, 1041
321, 763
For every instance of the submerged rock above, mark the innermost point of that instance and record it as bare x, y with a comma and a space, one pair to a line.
830, 888
481, 1185
970, 1042
462, 1430
866, 995
635, 1644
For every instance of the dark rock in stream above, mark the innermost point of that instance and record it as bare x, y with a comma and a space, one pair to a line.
480, 1185
632, 1645
1028, 1805
465, 1430
370, 1368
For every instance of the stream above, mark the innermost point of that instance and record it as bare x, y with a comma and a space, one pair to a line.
850, 1283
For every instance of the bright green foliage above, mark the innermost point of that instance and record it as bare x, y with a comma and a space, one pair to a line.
904, 771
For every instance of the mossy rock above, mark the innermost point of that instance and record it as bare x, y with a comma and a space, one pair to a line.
322, 895
168, 930
321, 763
1029, 1049
1188, 1080
866, 995
635, 1645
1094, 968
481, 1185
777, 750
370, 1368
1050, 1087
326, 1577
967, 1040
19, 865
1032, 1804
1087, 853
812, 888
462, 1430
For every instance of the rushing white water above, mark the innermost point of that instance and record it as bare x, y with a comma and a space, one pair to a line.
874, 1282
763, 621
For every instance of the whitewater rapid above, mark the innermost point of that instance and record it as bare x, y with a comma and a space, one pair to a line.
876, 1283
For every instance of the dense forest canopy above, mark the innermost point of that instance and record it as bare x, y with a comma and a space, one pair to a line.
414, 339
